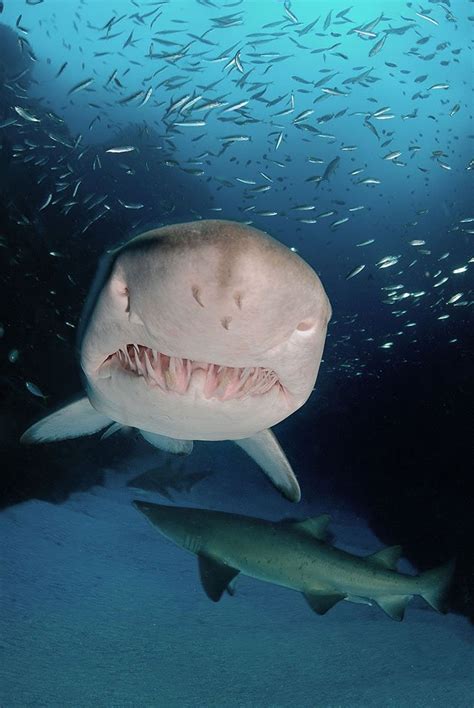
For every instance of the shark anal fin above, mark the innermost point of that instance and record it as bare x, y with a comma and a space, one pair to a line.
323, 600
215, 577
71, 421
163, 442
394, 605
263, 447
386, 558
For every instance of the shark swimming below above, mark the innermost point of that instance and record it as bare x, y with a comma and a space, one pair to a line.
293, 554
207, 330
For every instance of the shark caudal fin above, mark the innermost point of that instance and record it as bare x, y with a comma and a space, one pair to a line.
435, 585
71, 421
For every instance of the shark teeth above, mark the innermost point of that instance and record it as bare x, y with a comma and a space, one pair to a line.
171, 373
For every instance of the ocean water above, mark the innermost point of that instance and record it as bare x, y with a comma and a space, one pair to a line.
345, 133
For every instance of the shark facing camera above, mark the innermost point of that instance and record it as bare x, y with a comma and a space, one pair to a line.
208, 330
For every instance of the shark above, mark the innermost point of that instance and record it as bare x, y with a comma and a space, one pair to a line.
293, 554
207, 330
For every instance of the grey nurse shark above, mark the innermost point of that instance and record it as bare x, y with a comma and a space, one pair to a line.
208, 330
293, 554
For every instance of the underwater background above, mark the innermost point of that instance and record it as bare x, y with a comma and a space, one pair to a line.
345, 133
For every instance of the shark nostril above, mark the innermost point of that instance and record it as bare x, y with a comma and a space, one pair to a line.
304, 325
197, 295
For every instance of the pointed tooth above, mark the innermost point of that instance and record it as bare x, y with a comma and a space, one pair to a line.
149, 369
211, 382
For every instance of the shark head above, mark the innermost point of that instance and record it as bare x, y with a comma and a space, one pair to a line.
207, 330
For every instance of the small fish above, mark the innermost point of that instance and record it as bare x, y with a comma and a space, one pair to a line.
120, 150
417, 242
378, 46
339, 222
13, 356
428, 19
27, 116
454, 298
191, 124
130, 205
46, 202
355, 271
33, 388
58, 73
392, 155
80, 86
331, 168
366, 243
440, 282
146, 97
388, 261
130, 98
236, 106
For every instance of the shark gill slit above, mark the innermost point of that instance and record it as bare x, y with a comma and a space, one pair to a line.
170, 373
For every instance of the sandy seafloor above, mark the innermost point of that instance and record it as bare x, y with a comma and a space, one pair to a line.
98, 609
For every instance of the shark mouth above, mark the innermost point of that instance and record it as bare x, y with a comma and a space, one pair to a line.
170, 373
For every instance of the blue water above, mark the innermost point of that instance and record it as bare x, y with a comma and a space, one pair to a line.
97, 608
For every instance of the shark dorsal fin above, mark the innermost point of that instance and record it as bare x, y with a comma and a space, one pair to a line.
386, 558
215, 576
316, 526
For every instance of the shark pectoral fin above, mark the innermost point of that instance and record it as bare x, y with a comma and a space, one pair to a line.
322, 600
316, 527
112, 429
162, 442
386, 558
215, 577
264, 448
71, 421
394, 605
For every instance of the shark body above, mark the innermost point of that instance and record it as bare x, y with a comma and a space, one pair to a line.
207, 330
295, 555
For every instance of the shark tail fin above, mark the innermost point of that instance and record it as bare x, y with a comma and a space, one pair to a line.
435, 585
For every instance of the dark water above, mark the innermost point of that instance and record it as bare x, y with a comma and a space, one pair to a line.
347, 135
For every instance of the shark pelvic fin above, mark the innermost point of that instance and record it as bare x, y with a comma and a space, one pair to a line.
216, 577
162, 442
71, 421
316, 527
386, 558
264, 448
322, 600
394, 605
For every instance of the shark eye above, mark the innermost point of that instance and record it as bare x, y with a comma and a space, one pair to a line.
305, 325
